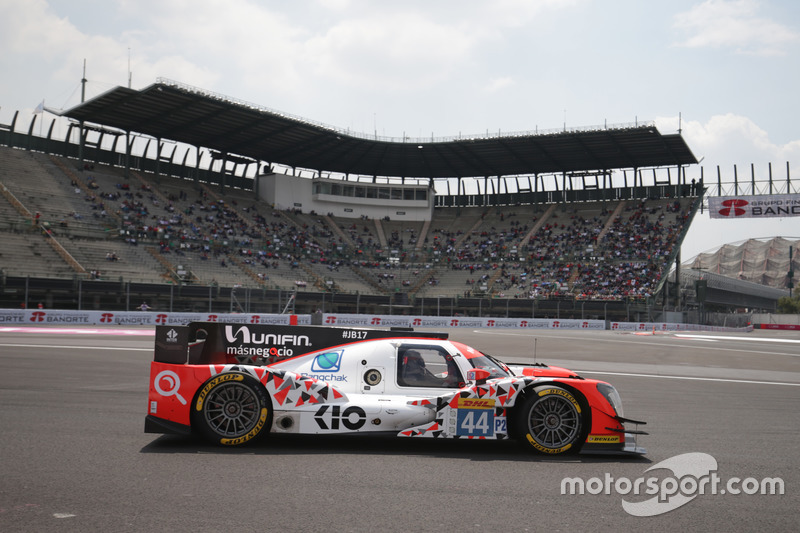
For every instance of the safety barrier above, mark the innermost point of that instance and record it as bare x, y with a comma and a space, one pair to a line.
55, 317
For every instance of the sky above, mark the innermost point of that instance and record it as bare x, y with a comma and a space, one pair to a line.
723, 71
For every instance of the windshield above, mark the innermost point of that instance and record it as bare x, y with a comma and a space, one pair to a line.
497, 369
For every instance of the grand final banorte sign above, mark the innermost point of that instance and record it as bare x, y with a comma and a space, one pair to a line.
761, 206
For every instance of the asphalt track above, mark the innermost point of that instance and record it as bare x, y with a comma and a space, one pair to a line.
74, 456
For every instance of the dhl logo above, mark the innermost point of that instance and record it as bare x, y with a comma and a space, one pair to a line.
475, 403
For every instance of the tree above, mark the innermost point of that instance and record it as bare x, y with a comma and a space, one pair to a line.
789, 306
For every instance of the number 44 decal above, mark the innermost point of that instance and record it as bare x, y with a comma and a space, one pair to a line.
475, 417
475, 422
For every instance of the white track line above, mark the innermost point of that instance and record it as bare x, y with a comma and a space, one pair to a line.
689, 378
76, 347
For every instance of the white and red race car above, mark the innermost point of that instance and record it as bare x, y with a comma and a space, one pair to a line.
235, 383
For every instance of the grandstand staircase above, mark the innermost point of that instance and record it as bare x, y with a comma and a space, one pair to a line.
422, 234
82, 185
65, 255
51, 240
151, 188
219, 199
475, 227
422, 281
344, 237
381, 233
21, 209
319, 283
246, 269
610, 221
536, 227
573, 277
367, 279
495, 276
170, 275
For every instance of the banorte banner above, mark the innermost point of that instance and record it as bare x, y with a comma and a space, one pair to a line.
65, 318
759, 206
388, 321
56, 317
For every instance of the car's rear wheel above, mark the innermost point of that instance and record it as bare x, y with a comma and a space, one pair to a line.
232, 409
552, 421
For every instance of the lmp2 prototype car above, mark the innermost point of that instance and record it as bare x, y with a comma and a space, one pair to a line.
235, 383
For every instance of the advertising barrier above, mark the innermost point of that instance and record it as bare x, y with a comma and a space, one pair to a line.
56, 317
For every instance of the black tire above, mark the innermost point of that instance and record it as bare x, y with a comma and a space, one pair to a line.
552, 421
232, 409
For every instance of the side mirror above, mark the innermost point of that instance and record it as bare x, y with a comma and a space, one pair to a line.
478, 375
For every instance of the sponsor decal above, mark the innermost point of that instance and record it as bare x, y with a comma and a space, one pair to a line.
547, 450
243, 335
476, 403
733, 208
475, 418
172, 382
327, 362
352, 418
327, 377
535, 323
605, 439
353, 334
213, 383
172, 336
758, 206
354, 320
17, 317
563, 393
60, 317
129, 319
255, 352
262, 419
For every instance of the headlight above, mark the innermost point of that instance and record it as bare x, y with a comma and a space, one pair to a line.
611, 394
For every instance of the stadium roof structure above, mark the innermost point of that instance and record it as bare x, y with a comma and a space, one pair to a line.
764, 261
174, 111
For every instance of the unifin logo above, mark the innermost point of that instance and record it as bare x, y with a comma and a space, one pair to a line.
263, 338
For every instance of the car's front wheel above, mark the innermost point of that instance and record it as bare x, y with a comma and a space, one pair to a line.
232, 409
552, 421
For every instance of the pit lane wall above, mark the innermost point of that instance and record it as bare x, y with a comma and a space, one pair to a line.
55, 317
775, 321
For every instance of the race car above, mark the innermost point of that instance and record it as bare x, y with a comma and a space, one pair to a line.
235, 383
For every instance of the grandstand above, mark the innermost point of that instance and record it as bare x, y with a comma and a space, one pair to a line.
94, 224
